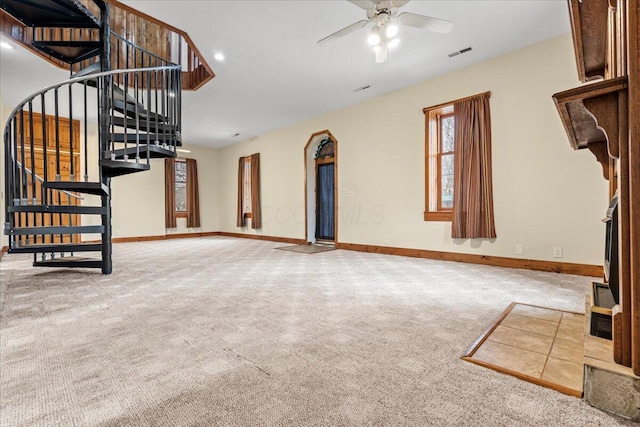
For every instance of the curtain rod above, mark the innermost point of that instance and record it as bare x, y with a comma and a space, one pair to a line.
424, 110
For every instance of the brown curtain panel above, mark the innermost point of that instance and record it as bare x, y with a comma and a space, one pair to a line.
169, 193
240, 216
256, 214
193, 198
473, 189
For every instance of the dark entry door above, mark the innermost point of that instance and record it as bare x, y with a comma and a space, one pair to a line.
325, 201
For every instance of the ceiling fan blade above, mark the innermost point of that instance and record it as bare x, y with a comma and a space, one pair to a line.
399, 3
364, 4
343, 32
425, 22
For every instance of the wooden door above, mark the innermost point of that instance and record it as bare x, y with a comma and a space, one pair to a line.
325, 200
34, 160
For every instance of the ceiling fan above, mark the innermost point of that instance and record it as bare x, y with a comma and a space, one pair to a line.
385, 19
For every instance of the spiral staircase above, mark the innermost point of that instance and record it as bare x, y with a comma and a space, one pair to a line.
122, 106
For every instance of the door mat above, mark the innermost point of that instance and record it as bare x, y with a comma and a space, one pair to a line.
308, 249
541, 345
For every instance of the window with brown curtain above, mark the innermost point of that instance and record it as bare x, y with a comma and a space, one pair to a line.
458, 186
182, 198
249, 191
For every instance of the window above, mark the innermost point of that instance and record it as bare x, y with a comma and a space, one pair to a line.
246, 187
249, 191
439, 146
181, 188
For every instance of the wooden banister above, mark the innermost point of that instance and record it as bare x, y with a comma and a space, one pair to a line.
148, 33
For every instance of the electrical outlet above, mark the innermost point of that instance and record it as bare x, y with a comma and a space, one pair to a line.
557, 252
519, 250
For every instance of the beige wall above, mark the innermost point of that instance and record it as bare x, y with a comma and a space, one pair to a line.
138, 199
208, 186
137, 203
546, 195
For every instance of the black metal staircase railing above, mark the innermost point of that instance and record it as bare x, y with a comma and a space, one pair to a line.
71, 138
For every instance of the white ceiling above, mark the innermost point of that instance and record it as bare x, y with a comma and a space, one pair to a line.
274, 74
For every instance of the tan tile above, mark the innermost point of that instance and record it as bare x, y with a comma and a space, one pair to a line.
564, 373
511, 358
571, 351
524, 340
570, 332
543, 327
598, 348
575, 320
537, 312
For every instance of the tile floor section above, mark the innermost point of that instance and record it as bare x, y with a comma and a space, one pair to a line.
537, 344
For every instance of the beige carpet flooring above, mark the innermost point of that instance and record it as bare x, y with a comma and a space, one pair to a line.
229, 332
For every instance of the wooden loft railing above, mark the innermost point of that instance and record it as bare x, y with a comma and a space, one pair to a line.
156, 38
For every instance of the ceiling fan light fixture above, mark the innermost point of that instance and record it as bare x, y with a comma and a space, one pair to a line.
382, 55
391, 29
376, 48
393, 43
374, 37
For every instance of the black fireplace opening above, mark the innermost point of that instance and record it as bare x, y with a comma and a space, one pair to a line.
611, 265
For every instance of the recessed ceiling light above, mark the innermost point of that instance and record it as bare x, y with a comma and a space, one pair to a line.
6, 45
219, 56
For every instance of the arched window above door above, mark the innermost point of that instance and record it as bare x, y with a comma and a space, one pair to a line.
326, 149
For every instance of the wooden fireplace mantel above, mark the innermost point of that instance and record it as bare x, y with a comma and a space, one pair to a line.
595, 117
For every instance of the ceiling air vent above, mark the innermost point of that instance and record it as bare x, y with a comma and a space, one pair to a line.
362, 88
460, 52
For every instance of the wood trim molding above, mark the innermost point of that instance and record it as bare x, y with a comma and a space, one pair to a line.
205, 234
162, 237
496, 261
263, 237
445, 216
3, 250
482, 338
633, 196
521, 376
